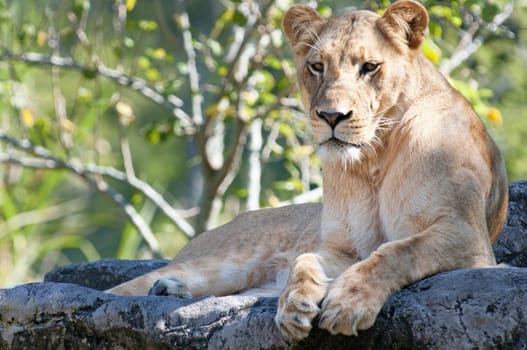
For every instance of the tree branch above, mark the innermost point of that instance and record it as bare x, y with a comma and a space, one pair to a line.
225, 175
314, 195
63, 123
241, 46
46, 161
470, 44
171, 102
183, 22
100, 185
218, 180
255, 165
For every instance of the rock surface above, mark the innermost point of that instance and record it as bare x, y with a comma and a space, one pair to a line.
511, 246
464, 309
103, 274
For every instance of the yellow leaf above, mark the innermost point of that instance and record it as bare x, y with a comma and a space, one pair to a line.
130, 4
27, 117
67, 125
212, 110
42, 38
431, 51
494, 116
159, 54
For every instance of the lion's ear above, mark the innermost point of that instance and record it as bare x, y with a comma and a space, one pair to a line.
302, 24
404, 24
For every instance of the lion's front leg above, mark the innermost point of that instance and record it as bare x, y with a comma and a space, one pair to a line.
355, 298
307, 285
353, 301
299, 303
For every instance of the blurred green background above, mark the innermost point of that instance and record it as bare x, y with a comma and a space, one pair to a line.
128, 126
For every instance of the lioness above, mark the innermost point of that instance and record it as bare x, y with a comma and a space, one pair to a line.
413, 184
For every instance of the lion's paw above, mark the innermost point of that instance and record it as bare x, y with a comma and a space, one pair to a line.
172, 286
296, 311
347, 309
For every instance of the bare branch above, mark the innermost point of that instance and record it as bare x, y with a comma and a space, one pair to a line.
470, 44
232, 162
197, 98
171, 102
219, 179
46, 161
255, 165
314, 195
63, 123
100, 185
126, 155
247, 32
51, 162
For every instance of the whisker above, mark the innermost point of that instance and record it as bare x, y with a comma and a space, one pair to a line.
311, 46
316, 39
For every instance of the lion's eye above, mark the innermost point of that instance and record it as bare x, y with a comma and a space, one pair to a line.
316, 67
370, 67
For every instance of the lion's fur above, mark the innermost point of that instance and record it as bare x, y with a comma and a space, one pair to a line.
413, 184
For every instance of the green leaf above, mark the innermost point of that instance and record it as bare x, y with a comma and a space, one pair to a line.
143, 62
286, 130
148, 26
435, 29
489, 11
153, 74
239, 19
128, 42
242, 193
79, 6
89, 73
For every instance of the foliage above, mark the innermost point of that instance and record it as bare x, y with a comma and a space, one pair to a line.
90, 90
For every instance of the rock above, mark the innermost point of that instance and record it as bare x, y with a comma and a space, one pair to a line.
463, 309
486, 310
67, 316
103, 274
511, 246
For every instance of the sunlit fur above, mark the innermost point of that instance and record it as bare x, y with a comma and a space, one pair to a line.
412, 184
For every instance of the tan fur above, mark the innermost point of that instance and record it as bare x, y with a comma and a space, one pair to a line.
413, 184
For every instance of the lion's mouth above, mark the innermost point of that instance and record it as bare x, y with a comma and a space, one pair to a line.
335, 142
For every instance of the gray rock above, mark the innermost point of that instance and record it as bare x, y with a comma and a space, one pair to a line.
511, 246
463, 309
103, 274
66, 316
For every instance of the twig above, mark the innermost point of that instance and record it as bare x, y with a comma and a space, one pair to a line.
255, 165
225, 175
241, 46
51, 162
63, 124
470, 44
171, 102
314, 195
46, 161
197, 98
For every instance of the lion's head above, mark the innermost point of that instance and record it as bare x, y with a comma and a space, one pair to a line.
354, 72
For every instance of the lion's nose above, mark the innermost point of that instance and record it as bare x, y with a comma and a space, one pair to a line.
333, 118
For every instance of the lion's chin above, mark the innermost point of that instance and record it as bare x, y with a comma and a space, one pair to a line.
335, 150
